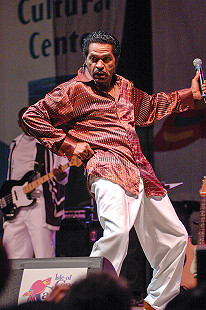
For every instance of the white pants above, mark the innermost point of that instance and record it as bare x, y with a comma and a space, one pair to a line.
27, 235
160, 232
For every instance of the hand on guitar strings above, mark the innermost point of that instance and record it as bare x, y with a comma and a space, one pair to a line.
59, 174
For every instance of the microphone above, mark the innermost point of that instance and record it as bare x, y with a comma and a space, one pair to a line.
197, 62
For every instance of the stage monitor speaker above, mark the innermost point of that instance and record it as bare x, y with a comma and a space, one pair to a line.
9, 296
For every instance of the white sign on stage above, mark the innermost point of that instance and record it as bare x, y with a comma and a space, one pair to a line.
36, 284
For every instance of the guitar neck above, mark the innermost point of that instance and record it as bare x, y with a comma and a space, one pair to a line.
75, 161
31, 186
201, 226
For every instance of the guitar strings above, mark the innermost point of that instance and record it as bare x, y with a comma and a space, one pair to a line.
9, 198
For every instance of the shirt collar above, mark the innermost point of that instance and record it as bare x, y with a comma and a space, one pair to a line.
83, 75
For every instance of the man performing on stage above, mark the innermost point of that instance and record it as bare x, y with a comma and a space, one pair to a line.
93, 116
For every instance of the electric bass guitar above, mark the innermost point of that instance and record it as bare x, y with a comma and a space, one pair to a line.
16, 194
189, 280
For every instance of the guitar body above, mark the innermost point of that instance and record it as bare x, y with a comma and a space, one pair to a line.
188, 281
12, 196
16, 194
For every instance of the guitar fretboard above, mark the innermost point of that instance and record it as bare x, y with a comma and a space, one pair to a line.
75, 161
201, 226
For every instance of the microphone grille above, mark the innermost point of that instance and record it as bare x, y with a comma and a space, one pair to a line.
197, 62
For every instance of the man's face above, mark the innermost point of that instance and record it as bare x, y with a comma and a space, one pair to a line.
101, 63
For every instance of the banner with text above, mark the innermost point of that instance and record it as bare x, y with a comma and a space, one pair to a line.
41, 47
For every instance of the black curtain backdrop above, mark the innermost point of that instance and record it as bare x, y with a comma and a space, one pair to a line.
135, 63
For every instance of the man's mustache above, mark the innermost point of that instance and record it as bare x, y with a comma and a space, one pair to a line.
99, 71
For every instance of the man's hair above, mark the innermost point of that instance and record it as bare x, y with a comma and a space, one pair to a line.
101, 37
98, 291
21, 112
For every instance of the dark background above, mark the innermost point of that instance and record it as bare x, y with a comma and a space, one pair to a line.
76, 236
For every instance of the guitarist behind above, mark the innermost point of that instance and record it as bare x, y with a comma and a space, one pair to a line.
189, 274
31, 230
